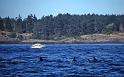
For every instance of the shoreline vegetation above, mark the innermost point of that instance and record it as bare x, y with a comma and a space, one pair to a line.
83, 39
63, 28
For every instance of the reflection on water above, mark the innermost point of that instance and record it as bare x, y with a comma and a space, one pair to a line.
62, 60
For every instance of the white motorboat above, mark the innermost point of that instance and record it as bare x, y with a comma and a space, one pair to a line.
37, 45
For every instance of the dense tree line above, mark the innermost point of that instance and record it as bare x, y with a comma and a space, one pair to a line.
63, 25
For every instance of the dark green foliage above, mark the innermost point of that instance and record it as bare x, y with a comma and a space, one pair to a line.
18, 24
30, 23
64, 25
7, 24
109, 28
1, 24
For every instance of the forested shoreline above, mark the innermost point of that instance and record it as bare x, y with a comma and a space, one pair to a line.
63, 25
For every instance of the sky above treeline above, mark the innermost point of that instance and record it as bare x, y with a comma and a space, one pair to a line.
41, 8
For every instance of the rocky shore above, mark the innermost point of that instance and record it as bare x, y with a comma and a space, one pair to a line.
94, 38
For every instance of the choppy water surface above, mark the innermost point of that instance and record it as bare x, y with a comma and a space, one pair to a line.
62, 60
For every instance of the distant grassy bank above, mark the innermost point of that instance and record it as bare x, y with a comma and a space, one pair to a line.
91, 38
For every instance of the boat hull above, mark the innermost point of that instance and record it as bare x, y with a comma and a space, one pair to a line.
37, 46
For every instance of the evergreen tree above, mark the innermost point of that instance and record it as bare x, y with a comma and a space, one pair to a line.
1, 24
18, 27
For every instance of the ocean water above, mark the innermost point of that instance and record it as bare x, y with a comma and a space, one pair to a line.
62, 60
